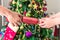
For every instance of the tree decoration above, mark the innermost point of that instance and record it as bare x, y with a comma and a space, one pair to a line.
28, 34
32, 10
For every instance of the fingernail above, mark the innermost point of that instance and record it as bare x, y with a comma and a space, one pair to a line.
19, 23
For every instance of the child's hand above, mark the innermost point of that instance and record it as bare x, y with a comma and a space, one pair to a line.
46, 23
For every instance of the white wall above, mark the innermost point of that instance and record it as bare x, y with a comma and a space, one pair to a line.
6, 3
0, 2
53, 5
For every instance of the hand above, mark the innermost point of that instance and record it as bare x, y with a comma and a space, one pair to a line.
57, 15
46, 23
14, 18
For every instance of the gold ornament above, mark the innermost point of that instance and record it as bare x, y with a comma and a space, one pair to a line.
21, 28
47, 39
35, 6
44, 1
44, 39
19, 39
13, 2
38, 30
38, 11
30, 5
21, 11
28, 14
12, 9
41, 10
20, 32
33, 1
29, 11
16, 9
20, 5
40, 6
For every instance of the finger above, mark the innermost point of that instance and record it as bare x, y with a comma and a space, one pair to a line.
12, 24
43, 18
15, 24
48, 27
19, 20
41, 21
43, 26
20, 16
19, 23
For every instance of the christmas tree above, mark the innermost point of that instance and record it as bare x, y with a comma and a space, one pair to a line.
33, 9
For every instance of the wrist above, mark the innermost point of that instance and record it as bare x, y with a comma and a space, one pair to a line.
52, 17
4, 11
53, 21
57, 15
7, 15
56, 21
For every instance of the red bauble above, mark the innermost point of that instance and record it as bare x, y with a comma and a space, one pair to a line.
24, 13
44, 9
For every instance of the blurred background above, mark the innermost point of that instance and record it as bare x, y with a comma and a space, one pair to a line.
52, 5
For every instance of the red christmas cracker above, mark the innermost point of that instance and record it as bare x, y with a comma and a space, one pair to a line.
30, 20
